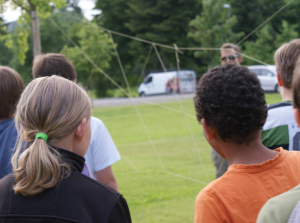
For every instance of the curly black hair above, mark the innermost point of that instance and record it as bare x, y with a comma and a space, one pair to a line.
231, 100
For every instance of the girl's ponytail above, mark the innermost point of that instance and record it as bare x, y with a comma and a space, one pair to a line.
39, 168
49, 109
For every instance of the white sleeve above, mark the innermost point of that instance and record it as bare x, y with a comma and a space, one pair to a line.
103, 149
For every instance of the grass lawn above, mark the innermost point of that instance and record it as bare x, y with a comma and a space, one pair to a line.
161, 177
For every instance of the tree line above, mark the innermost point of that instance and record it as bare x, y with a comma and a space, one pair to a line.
186, 23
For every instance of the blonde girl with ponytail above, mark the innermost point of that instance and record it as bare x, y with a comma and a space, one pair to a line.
47, 185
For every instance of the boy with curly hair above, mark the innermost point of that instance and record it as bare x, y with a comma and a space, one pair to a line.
231, 107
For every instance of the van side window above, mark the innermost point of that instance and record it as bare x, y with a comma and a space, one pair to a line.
149, 80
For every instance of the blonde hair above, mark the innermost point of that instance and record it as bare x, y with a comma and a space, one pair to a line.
54, 106
285, 58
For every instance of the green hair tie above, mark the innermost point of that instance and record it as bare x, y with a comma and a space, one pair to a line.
41, 136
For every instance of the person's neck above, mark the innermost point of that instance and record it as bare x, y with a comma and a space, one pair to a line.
65, 143
248, 154
286, 94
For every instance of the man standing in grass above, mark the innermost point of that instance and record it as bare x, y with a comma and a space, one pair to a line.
230, 53
281, 129
231, 107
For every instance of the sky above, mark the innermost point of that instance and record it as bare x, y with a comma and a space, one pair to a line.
86, 6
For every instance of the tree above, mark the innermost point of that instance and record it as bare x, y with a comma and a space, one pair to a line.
163, 22
250, 14
5, 44
286, 33
31, 11
98, 46
52, 40
113, 17
268, 41
263, 47
158, 21
212, 28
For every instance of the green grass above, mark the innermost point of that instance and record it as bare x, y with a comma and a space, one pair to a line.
160, 192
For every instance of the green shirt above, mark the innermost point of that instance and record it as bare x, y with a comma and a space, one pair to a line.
281, 129
278, 209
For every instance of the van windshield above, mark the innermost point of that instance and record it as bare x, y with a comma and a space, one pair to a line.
148, 80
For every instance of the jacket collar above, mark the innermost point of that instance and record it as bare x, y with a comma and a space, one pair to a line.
75, 161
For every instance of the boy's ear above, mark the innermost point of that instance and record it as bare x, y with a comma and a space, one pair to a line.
80, 131
279, 80
209, 131
297, 115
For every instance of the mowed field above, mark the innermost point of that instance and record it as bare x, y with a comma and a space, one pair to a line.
165, 164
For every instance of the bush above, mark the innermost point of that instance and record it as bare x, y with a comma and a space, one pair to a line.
117, 93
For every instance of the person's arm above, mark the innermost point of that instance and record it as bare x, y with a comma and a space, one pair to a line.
103, 154
107, 177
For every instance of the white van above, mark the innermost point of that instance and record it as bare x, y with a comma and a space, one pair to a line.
184, 81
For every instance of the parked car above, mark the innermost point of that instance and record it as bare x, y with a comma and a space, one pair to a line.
267, 76
184, 81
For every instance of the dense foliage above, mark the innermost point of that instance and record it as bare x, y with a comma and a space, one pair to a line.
186, 23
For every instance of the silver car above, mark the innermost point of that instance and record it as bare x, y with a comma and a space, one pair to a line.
267, 76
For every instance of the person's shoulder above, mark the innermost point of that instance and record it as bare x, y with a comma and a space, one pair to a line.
8, 125
279, 115
279, 105
286, 197
96, 120
280, 207
92, 187
85, 198
291, 153
214, 187
96, 124
6, 190
6, 181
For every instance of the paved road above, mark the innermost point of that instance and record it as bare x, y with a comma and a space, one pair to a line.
114, 102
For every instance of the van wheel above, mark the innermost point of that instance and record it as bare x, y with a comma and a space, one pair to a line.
142, 94
276, 89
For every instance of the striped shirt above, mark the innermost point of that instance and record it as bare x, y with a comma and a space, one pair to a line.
281, 129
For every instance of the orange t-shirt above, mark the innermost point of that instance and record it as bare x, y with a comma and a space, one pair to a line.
241, 192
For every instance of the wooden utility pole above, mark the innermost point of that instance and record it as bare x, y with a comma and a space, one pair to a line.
35, 31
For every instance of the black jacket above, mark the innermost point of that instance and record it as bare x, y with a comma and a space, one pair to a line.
75, 199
